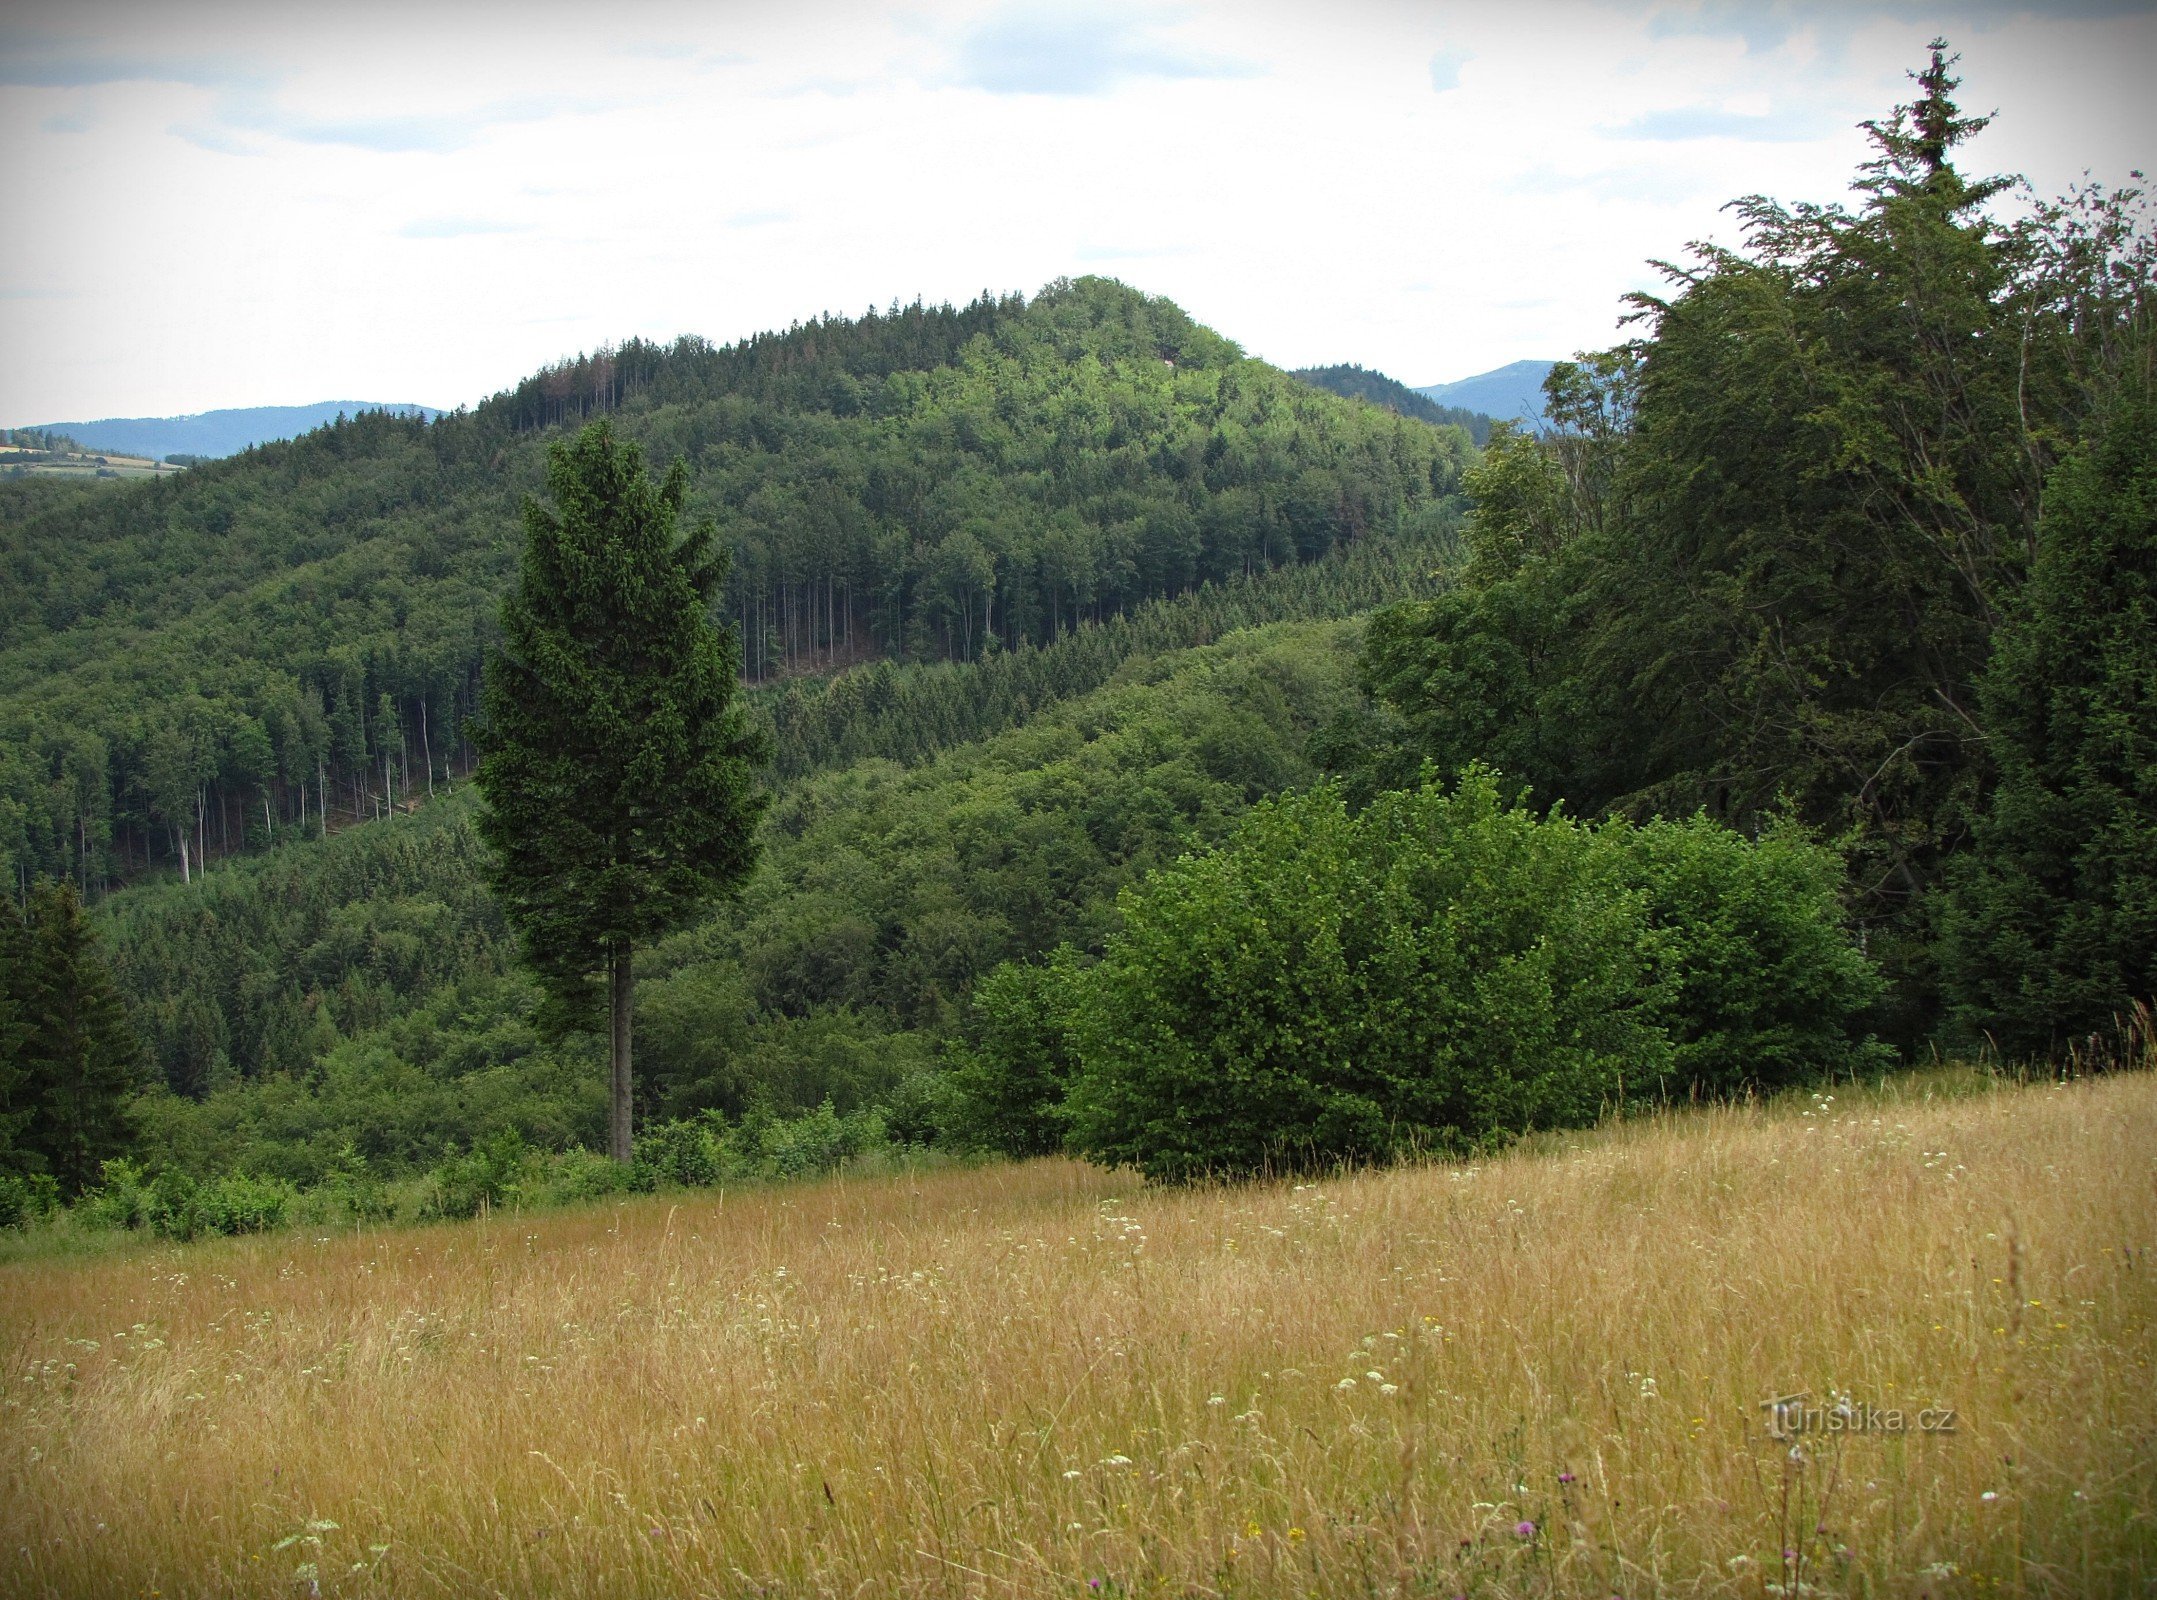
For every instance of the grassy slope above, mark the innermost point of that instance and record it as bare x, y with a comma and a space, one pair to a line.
1017, 1380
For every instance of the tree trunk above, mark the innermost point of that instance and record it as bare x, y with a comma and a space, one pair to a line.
619, 984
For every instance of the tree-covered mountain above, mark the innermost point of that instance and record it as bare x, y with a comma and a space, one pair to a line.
210, 434
1360, 383
289, 640
1511, 393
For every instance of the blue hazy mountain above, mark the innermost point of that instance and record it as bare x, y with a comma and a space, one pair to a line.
216, 433
1512, 391
1360, 383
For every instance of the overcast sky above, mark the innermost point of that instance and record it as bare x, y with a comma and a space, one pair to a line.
248, 205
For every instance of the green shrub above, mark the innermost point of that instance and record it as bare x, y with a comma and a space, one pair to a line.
684, 1153
1438, 971
807, 1146
121, 1199
1759, 984
182, 1208
488, 1178
351, 1185
924, 1109
1010, 1074
25, 1197
581, 1174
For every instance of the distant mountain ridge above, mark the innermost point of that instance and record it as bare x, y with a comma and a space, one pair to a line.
1361, 383
1513, 392
219, 433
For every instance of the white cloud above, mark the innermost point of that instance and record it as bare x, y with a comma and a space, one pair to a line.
427, 202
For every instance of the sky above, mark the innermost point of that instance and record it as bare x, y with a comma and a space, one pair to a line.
251, 204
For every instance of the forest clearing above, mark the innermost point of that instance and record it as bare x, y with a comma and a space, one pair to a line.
1542, 1373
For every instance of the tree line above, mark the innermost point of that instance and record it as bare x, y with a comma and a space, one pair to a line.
1856, 532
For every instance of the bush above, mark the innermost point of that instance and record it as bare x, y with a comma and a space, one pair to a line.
25, 1197
121, 1199
925, 1109
490, 1177
807, 1146
581, 1174
181, 1208
686, 1153
1759, 985
351, 1185
1437, 972
1010, 1075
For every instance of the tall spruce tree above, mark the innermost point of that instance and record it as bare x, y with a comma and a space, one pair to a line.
81, 1053
2051, 928
616, 765
15, 1079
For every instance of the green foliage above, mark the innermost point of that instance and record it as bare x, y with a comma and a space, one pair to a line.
122, 1198
25, 1197
1758, 984
1756, 564
76, 1063
1435, 972
177, 1206
488, 1177
807, 1146
1012, 1070
1438, 971
182, 1208
923, 484
17, 1083
2051, 927
1360, 383
616, 767
907, 712
887, 892
687, 1153
351, 1191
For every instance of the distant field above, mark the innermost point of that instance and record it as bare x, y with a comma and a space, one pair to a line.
1541, 1375
80, 464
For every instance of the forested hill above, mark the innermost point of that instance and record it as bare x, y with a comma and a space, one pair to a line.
291, 638
218, 433
1360, 383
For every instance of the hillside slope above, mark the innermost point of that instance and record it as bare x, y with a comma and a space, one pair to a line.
1360, 383
363, 991
190, 669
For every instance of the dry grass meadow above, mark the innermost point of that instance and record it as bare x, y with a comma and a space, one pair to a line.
1541, 1375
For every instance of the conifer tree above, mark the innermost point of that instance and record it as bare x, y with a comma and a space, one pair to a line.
81, 1052
615, 762
2052, 922
15, 1081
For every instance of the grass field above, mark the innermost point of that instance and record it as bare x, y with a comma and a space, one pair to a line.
1540, 1375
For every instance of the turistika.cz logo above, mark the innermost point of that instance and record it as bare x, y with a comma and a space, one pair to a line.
1790, 1415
